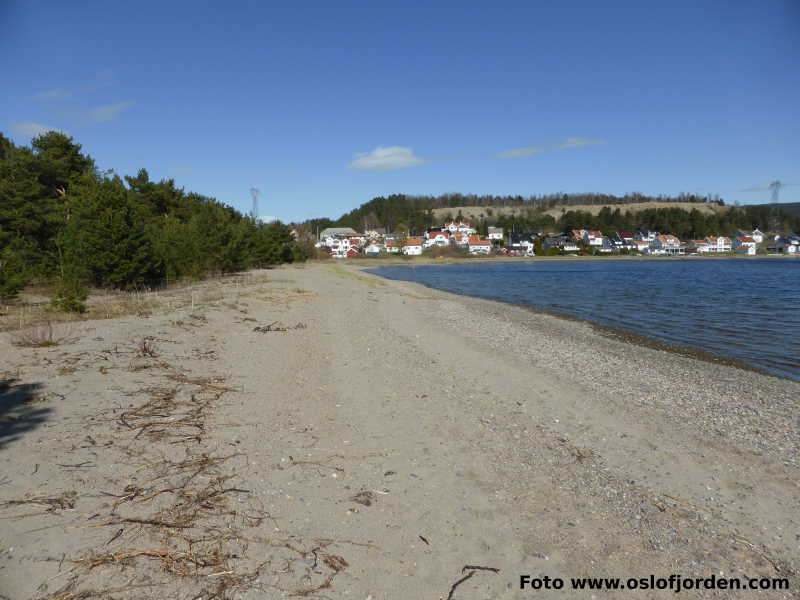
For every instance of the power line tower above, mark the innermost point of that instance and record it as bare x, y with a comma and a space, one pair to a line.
775, 211
254, 194
774, 188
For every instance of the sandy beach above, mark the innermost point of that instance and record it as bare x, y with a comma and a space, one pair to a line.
317, 431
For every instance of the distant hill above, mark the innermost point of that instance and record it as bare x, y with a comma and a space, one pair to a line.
416, 213
479, 213
688, 217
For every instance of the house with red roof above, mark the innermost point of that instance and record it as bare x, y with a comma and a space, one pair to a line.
666, 244
344, 247
478, 246
577, 234
437, 238
413, 246
745, 245
459, 227
460, 239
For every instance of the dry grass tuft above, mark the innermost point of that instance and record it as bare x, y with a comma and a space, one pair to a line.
146, 348
41, 336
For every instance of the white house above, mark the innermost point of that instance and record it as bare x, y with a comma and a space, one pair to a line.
437, 238
623, 240
745, 245
666, 244
459, 227
519, 243
413, 246
758, 236
641, 245
372, 249
392, 247
645, 236
376, 233
719, 244
479, 246
327, 236
563, 242
593, 238
495, 233
698, 246
339, 247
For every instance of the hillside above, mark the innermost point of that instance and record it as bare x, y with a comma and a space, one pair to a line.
477, 213
688, 217
790, 208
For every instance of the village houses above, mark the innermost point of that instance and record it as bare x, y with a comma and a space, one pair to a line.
345, 242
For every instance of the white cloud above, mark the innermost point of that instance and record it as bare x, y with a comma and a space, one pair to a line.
107, 112
31, 129
386, 158
572, 142
520, 152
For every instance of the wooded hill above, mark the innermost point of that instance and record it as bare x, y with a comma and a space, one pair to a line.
686, 216
63, 219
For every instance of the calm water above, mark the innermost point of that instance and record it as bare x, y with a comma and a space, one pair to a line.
744, 309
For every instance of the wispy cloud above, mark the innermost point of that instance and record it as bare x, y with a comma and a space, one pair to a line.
182, 171
31, 129
106, 112
386, 158
572, 142
102, 78
520, 152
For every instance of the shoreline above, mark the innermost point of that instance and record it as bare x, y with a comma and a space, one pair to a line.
621, 333
426, 260
374, 436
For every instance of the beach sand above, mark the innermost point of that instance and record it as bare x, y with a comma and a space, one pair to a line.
371, 440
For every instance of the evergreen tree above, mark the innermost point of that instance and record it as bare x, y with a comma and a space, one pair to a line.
107, 235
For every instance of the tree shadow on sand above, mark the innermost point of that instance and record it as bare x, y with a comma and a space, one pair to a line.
18, 411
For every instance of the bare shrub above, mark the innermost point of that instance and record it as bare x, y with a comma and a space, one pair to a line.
41, 336
146, 348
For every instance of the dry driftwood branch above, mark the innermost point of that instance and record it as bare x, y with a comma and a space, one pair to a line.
64, 501
458, 583
104, 593
472, 570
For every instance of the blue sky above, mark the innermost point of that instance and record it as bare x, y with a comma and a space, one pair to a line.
325, 105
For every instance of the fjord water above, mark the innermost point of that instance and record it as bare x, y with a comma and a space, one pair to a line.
747, 310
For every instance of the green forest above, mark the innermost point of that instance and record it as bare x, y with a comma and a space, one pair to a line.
66, 221
400, 212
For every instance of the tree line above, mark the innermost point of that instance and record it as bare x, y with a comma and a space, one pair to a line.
62, 219
685, 224
400, 213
